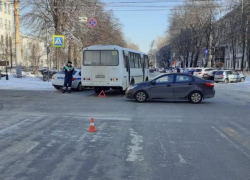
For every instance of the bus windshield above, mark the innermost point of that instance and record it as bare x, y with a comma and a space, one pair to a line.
101, 58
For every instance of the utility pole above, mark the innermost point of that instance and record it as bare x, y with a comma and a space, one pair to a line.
18, 39
47, 49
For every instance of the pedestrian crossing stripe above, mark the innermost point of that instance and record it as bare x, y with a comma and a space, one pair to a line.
58, 41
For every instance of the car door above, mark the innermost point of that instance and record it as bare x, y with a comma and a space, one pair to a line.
183, 85
231, 76
236, 76
162, 87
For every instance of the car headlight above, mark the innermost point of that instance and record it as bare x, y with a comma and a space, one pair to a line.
132, 87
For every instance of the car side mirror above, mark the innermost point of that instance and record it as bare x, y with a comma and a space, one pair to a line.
153, 82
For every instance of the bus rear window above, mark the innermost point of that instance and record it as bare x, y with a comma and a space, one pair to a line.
101, 58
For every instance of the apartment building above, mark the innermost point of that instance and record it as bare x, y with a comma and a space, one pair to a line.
6, 29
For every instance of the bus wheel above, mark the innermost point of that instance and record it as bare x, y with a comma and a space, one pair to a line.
132, 82
97, 90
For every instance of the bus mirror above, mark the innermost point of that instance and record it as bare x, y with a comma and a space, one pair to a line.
126, 53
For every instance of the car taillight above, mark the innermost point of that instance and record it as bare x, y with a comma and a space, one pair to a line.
210, 84
223, 75
73, 78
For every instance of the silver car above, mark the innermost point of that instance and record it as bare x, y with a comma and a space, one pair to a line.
228, 76
58, 80
199, 72
172, 86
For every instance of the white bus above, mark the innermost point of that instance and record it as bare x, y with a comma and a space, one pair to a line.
107, 67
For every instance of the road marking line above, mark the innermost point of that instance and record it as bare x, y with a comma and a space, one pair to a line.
182, 160
32, 147
230, 141
135, 149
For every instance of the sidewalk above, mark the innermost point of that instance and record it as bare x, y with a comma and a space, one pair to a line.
27, 83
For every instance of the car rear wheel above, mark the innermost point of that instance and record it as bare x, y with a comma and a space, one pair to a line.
57, 87
79, 87
226, 81
195, 97
216, 82
97, 90
242, 79
141, 96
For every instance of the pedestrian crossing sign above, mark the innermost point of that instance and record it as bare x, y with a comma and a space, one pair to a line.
58, 41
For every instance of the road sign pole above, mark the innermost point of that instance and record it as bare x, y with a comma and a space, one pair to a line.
47, 48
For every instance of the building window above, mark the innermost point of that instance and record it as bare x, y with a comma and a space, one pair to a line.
9, 26
1, 23
9, 9
1, 39
1, 6
5, 24
5, 7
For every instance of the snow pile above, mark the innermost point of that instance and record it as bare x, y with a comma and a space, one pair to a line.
239, 86
27, 83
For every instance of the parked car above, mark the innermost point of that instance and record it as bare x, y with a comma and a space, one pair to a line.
58, 80
200, 71
228, 76
172, 86
162, 70
209, 75
152, 70
189, 71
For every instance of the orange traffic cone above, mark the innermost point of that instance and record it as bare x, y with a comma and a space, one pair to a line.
102, 94
92, 126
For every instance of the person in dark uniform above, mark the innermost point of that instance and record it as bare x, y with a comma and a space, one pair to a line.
178, 70
69, 70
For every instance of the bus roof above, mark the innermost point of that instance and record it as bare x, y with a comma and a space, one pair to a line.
111, 47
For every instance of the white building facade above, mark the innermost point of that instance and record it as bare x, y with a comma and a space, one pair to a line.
33, 52
6, 29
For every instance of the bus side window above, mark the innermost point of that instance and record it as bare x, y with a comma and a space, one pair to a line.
131, 60
142, 62
139, 58
136, 61
146, 62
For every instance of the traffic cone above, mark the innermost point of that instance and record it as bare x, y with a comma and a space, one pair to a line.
102, 94
92, 126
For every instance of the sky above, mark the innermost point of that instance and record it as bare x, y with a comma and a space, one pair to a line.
143, 20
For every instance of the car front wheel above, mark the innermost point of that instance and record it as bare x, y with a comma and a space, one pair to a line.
242, 79
195, 97
57, 87
141, 96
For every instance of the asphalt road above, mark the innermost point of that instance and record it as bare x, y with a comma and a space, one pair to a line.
43, 136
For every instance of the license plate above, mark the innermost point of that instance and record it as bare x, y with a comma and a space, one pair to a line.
99, 76
60, 78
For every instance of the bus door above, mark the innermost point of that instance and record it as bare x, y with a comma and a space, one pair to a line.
126, 58
143, 67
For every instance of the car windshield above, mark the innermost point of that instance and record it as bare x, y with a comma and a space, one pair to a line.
101, 58
198, 70
219, 72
